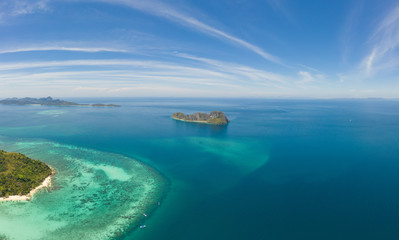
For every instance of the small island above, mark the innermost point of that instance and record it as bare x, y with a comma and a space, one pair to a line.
215, 117
21, 176
49, 101
104, 105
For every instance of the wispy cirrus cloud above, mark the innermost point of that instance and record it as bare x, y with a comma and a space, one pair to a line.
213, 70
10, 8
384, 52
56, 48
166, 11
308, 77
194, 73
348, 30
279, 6
241, 70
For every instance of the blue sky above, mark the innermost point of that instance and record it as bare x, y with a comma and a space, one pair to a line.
207, 48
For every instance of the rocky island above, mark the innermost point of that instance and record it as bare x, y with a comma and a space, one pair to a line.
215, 117
49, 101
21, 176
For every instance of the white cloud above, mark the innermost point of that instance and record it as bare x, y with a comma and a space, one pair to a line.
10, 8
350, 26
114, 76
27, 7
213, 71
310, 68
369, 61
143, 90
166, 11
57, 48
307, 77
385, 42
241, 70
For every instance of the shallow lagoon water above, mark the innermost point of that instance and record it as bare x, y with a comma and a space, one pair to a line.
282, 169
94, 195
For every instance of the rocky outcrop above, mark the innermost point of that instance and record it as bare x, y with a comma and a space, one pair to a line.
215, 117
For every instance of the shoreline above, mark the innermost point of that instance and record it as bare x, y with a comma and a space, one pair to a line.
193, 121
45, 184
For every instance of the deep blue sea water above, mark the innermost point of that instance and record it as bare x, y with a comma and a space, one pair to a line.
281, 169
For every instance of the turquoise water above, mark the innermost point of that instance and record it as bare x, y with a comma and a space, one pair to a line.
94, 195
282, 169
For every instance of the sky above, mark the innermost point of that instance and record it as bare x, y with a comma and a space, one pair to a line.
192, 48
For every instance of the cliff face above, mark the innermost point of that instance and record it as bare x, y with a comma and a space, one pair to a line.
215, 117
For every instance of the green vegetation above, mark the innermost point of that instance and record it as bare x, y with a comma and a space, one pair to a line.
178, 115
215, 117
20, 174
217, 121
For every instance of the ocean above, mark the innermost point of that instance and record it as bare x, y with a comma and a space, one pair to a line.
281, 169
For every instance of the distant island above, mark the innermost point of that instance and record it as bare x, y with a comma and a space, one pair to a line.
215, 117
104, 105
49, 101
21, 176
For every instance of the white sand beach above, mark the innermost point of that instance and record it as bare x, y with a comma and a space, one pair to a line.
45, 184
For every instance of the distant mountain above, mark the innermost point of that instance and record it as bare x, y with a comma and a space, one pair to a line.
49, 101
215, 117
